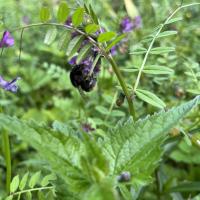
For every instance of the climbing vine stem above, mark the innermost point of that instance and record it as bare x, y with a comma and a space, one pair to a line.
153, 40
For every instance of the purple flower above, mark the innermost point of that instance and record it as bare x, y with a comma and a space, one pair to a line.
138, 22
69, 21
9, 85
73, 60
7, 40
113, 50
126, 25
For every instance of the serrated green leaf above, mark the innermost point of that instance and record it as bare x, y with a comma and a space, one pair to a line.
77, 17
23, 181
74, 45
91, 28
167, 33
83, 53
34, 179
150, 98
154, 69
136, 146
115, 41
64, 40
46, 180
14, 184
50, 36
45, 14
63, 12
105, 37
161, 50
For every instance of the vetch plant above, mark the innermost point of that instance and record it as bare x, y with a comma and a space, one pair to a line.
114, 163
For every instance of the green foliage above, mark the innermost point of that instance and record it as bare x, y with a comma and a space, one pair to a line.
84, 53
89, 163
107, 36
63, 12
50, 36
132, 147
91, 28
45, 14
150, 98
77, 17
27, 185
74, 45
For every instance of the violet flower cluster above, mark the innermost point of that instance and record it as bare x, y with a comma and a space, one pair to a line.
128, 25
8, 41
84, 75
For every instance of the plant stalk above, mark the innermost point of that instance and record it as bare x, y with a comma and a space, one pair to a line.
7, 156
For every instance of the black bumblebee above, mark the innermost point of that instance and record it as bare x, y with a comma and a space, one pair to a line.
81, 79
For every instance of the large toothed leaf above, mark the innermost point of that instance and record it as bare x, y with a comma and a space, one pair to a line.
150, 98
74, 45
45, 14
136, 146
83, 53
107, 36
50, 36
63, 12
77, 17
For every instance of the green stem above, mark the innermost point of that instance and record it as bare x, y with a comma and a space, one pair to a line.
153, 40
103, 52
123, 85
32, 190
6, 150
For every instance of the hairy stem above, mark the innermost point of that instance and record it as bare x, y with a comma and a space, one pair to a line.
153, 40
6, 150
